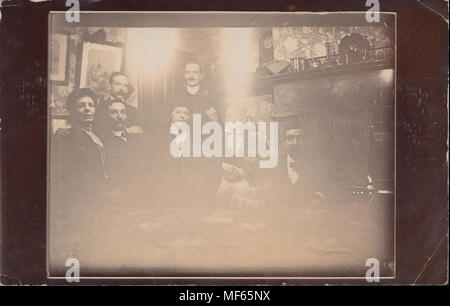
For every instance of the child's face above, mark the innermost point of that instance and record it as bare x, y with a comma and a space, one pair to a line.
180, 113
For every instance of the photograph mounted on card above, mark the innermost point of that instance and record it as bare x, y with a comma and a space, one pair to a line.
98, 61
59, 64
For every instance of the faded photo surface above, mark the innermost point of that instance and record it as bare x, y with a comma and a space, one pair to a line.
223, 151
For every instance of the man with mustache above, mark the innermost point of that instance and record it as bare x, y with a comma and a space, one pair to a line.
124, 160
121, 91
202, 174
199, 101
297, 179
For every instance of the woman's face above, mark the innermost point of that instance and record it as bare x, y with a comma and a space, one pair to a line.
84, 110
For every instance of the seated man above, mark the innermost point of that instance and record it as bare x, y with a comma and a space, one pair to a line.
125, 152
298, 178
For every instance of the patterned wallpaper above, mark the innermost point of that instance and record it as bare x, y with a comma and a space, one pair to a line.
310, 42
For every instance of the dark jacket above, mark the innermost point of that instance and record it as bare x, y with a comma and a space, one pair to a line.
126, 162
312, 183
77, 169
198, 103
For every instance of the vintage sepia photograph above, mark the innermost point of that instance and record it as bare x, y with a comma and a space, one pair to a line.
222, 145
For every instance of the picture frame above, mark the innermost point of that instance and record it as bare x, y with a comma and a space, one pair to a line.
59, 64
96, 63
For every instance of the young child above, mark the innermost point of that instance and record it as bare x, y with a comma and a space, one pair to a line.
252, 191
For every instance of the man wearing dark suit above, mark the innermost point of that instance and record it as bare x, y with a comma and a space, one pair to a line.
125, 152
198, 99
201, 102
201, 175
298, 179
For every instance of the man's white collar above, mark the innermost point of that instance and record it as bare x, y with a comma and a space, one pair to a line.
193, 90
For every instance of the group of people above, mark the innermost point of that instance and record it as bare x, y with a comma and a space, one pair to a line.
107, 152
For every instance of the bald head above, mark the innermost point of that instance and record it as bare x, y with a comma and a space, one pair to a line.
193, 74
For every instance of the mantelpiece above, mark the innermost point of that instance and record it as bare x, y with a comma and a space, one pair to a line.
349, 113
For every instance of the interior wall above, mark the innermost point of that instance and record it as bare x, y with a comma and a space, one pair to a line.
59, 93
310, 42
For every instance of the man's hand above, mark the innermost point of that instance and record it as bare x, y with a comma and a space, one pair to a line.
232, 174
211, 113
62, 132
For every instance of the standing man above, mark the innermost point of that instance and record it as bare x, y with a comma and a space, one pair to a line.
204, 173
200, 102
122, 90
198, 99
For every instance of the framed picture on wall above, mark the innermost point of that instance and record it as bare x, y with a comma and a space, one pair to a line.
98, 61
59, 63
